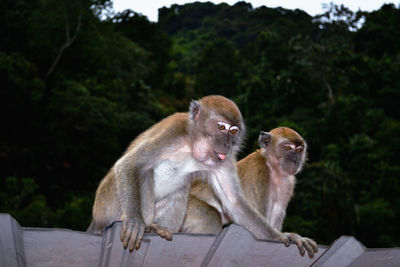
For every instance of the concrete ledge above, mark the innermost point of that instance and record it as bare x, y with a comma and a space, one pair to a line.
234, 246
11, 242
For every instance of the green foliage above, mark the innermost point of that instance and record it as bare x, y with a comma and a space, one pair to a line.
216, 69
76, 89
76, 213
19, 198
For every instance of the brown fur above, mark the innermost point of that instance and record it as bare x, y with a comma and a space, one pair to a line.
254, 183
107, 207
224, 106
288, 133
148, 187
263, 184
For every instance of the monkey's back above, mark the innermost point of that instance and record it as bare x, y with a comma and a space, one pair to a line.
169, 128
254, 179
106, 208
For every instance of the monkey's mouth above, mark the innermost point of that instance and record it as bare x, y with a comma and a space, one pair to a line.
292, 167
220, 156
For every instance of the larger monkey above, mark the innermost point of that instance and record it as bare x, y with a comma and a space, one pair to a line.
267, 181
149, 185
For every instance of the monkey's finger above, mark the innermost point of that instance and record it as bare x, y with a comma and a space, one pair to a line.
298, 240
168, 235
164, 233
300, 246
313, 244
308, 247
286, 242
132, 240
123, 230
284, 239
139, 236
127, 235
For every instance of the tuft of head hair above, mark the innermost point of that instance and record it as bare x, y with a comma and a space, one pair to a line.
223, 106
288, 133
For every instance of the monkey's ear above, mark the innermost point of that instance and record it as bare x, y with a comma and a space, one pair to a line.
194, 109
264, 139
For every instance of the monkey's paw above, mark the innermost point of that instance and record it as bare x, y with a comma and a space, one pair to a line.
132, 232
303, 243
161, 231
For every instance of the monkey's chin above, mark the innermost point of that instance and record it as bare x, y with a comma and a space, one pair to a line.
292, 171
290, 167
213, 162
210, 162
206, 160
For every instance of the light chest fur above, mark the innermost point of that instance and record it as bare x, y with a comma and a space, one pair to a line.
173, 175
170, 176
174, 169
280, 190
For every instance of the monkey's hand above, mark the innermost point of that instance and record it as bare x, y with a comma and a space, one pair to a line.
303, 243
161, 231
132, 232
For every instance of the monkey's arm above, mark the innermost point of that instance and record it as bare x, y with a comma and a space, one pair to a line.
203, 214
128, 191
135, 193
226, 187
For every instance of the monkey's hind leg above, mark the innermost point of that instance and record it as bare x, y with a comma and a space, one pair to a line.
94, 229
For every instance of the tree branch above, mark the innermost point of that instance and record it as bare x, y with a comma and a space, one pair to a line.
68, 42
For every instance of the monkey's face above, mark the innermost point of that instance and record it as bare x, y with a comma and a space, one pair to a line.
291, 156
218, 142
217, 129
225, 138
284, 149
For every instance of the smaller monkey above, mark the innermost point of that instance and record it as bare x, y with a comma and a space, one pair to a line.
267, 181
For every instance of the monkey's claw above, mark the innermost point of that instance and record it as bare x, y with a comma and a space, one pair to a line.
284, 239
161, 231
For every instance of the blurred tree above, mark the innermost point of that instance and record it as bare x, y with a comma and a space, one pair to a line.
79, 82
216, 69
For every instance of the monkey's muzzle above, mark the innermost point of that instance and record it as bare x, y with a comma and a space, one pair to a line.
220, 156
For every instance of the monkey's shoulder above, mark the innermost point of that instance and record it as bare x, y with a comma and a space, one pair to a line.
176, 119
253, 167
254, 160
169, 128
174, 125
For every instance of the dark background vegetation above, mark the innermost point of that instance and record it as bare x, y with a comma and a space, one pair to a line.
76, 89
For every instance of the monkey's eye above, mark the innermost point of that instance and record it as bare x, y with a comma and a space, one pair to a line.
289, 147
234, 129
299, 149
223, 126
